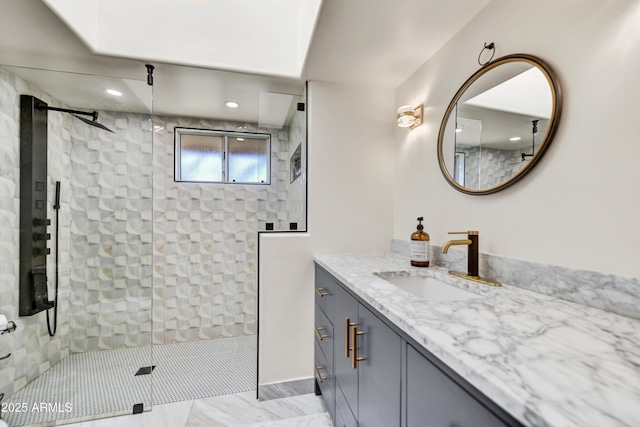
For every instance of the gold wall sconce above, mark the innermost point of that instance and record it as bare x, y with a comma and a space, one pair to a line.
409, 116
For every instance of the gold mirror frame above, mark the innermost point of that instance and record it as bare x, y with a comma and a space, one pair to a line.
556, 92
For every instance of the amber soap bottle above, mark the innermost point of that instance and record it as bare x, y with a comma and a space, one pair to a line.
420, 246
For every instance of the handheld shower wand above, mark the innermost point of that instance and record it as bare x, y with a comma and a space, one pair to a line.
56, 206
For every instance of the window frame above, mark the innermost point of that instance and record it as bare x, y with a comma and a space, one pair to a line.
225, 134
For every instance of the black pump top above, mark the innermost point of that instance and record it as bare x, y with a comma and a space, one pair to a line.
420, 226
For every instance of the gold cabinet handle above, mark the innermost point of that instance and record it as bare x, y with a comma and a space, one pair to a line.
347, 345
320, 335
319, 375
355, 359
322, 292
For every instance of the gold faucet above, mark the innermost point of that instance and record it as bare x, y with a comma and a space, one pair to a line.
472, 258
472, 244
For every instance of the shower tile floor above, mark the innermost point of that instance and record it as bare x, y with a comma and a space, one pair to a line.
104, 382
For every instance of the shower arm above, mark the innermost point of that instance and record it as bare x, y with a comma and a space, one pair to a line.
534, 131
93, 114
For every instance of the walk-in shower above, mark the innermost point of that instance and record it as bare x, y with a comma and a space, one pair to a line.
154, 280
79, 231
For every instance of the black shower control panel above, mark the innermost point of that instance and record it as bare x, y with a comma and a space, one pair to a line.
41, 222
41, 251
41, 236
33, 207
39, 292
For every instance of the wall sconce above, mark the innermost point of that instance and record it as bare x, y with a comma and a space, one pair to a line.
409, 117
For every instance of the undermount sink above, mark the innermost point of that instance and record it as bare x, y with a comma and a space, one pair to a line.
431, 289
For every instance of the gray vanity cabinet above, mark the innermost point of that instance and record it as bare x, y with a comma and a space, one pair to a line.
379, 372
369, 394
345, 317
433, 399
326, 297
392, 384
367, 359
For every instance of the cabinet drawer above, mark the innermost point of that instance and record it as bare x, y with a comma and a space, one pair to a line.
324, 378
324, 335
325, 291
434, 399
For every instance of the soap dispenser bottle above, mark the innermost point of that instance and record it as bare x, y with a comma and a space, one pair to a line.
420, 250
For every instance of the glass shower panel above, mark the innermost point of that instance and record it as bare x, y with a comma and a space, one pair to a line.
295, 208
99, 361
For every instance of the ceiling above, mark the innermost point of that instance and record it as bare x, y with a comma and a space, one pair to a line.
360, 42
233, 35
381, 43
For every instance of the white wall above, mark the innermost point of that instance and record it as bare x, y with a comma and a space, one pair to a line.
580, 206
350, 192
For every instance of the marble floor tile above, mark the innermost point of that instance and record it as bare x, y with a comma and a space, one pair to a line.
286, 389
237, 410
169, 415
314, 420
243, 409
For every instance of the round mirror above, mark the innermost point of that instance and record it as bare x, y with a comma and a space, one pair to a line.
499, 124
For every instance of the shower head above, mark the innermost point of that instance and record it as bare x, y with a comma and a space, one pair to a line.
75, 113
93, 122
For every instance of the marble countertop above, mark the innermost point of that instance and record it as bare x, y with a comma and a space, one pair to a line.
546, 361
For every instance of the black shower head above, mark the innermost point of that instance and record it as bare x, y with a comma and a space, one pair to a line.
75, 113
93, 122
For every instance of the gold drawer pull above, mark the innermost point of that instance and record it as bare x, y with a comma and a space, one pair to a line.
322, 292
319, 334
347, 346
355, 359
319, 375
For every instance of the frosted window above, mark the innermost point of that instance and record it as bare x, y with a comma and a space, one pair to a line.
203, 155
201, 158
248, 160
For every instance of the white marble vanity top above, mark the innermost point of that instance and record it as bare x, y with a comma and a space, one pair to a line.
547, 361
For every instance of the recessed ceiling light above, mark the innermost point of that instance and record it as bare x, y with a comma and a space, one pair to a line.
232, 104
458, 130
240, 139
114, 92
515, 138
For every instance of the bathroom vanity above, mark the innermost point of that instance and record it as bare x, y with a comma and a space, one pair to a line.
387, 355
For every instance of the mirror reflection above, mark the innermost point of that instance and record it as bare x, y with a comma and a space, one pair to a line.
498, 125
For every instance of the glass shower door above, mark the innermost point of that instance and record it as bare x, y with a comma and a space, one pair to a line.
99, 361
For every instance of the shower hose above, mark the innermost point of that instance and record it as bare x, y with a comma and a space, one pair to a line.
56, 206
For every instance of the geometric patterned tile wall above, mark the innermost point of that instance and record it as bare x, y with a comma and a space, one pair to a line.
111, 233
33, 350
205, 240
488, 167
